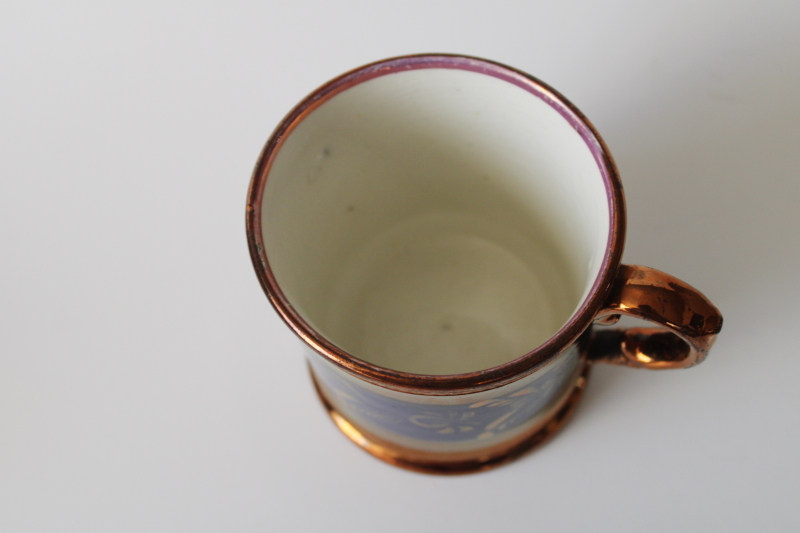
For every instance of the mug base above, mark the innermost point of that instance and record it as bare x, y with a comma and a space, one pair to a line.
462, 462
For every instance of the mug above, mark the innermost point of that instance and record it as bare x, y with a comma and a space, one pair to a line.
445, 233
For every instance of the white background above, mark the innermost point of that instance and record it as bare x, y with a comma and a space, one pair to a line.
147, 385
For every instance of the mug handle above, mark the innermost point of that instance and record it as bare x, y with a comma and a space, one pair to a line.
691, 321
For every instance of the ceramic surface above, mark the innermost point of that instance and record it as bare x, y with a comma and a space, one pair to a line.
449, 423
443, 232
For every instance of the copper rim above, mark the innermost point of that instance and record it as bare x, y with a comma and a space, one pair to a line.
463, 462
458, 383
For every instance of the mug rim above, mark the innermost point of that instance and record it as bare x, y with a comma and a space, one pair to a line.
452, 384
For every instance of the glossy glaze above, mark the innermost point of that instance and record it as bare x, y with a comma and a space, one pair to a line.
690, 322
469, 382
478, 419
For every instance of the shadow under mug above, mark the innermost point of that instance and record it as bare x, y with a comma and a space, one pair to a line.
445, 234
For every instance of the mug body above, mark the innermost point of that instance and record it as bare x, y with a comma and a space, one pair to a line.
456, 433
440, 231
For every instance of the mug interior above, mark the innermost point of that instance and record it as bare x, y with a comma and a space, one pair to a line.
435, 220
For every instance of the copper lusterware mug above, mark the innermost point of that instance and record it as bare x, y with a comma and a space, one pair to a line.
445, 234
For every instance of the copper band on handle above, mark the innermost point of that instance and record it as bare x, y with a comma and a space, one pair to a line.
690, 322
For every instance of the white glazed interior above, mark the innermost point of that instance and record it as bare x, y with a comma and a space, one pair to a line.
435, 221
